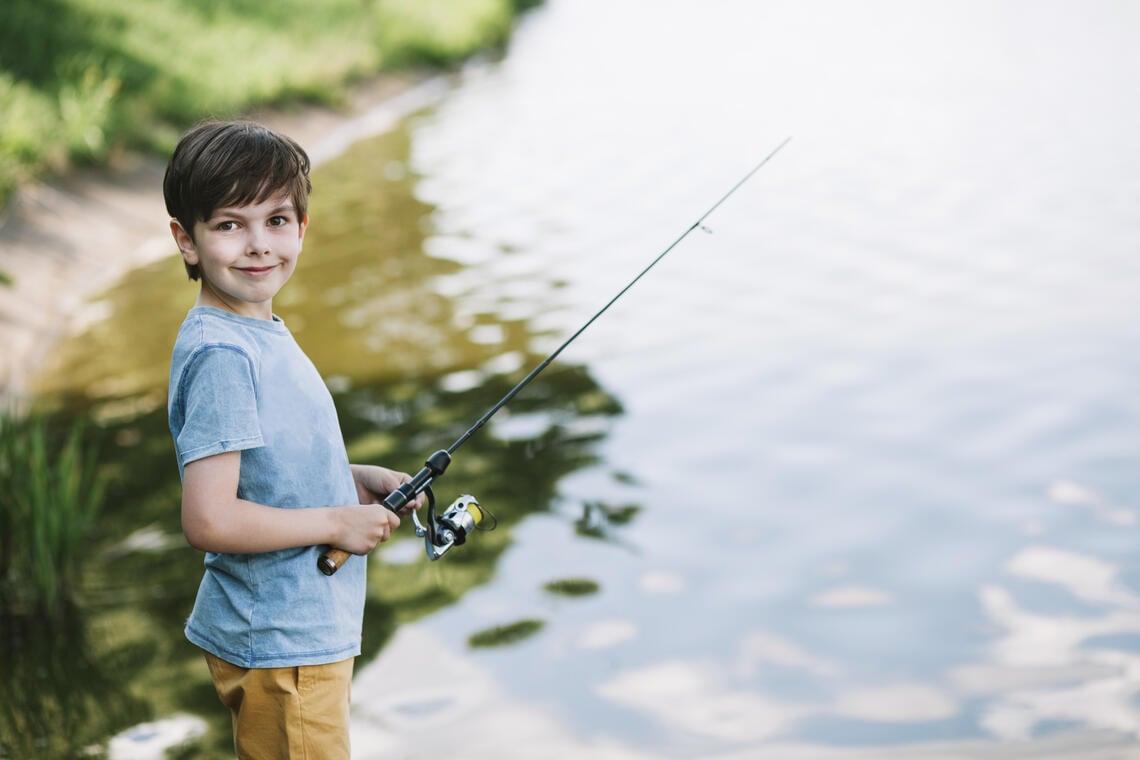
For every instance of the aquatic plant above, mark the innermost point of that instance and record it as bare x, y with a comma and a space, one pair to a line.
50, 495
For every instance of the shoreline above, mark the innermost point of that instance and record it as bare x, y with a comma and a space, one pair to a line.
66, 241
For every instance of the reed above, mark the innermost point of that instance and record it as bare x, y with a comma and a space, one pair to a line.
50, 495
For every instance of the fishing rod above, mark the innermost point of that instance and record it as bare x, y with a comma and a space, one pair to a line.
465, 515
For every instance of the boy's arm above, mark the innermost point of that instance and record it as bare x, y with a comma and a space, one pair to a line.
214, 519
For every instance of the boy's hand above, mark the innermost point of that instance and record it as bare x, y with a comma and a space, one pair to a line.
363, 527
373, 483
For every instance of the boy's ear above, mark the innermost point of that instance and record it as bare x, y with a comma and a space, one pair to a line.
184, 241
304, 225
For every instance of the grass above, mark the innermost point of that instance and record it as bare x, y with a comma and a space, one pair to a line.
82, 79
429, 32
50, 495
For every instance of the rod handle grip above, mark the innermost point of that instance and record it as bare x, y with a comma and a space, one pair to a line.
331, 560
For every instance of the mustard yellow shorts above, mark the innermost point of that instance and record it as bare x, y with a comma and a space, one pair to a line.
299, 713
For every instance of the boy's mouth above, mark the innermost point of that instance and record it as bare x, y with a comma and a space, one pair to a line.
256, 271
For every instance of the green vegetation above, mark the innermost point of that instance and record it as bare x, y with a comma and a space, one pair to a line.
81, 79
441, 32
50, 495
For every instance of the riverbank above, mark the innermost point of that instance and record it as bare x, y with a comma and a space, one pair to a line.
66, 241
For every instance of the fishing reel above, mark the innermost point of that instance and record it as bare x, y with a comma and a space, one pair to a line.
464, 516
461, 518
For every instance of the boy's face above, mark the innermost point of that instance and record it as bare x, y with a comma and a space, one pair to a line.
245, 253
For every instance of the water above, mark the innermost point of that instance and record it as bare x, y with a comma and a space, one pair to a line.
879, 421
875, 434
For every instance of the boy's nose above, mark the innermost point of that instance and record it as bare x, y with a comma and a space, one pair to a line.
257, 242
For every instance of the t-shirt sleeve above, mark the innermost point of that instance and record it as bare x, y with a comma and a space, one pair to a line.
219, 402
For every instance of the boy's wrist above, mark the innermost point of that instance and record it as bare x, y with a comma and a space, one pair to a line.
337, 525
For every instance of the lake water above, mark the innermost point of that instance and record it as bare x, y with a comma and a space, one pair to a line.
854, 470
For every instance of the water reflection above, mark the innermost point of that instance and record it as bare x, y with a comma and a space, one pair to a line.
862, 404
43, 662
1046, 669
1042, 670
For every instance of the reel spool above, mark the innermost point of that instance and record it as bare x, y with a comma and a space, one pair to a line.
461, 518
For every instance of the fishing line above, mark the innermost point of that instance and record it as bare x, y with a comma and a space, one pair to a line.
466, 514
554, 354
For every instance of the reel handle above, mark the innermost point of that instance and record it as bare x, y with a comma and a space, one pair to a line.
332, 559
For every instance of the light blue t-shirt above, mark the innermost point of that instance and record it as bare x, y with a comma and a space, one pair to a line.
243, 384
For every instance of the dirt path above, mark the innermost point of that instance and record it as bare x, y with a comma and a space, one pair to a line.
67, 241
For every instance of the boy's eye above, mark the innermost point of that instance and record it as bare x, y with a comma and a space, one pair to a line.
278, 221
225, 226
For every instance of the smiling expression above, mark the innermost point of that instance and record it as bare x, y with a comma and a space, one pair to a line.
245, 254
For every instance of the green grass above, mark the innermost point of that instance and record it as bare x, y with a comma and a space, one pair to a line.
430, 32
50, 496
80, 79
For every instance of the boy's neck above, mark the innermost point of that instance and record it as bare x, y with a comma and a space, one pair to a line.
208, 297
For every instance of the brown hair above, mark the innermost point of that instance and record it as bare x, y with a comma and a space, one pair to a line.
232, 163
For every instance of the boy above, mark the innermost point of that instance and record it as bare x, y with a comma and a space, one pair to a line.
266, 482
